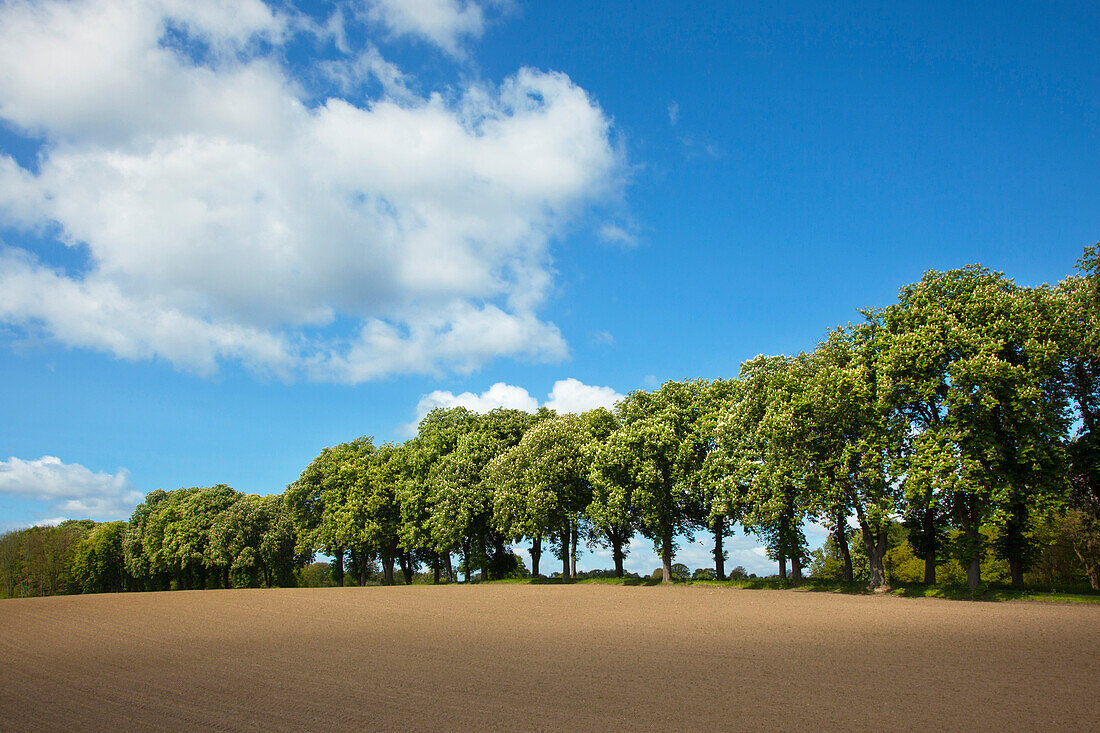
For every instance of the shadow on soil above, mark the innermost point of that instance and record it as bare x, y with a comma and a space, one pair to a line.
984, 593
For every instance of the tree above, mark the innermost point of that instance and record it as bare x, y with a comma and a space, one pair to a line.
759, 458
609, 514
437, 436
255, 540
187, 533
1080, 296
852, 440
38, 561
317, 502
460, 498
373, 509
715, 513
646, 464
168, 536
973, 371
541, 484
99, 563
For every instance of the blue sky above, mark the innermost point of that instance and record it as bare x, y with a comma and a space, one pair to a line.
233, 234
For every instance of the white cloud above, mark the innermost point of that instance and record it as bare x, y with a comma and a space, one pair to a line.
51, 522
573, 395
223, 218
602, 338
673, 113
70, 488
444, 23
499, 395
615, 234
567, 395
697, 148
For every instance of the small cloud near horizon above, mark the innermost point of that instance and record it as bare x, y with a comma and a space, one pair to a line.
615, 234
567, 396
602, 338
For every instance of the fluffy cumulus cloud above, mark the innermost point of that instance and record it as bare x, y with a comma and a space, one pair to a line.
222, 212
69, 488
446, 23
567, 395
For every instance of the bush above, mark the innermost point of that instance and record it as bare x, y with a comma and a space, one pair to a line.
317, 575
704, 574
679, 572
583, 575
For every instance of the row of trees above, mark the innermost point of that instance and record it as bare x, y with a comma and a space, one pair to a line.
968, 405
966, 411
188, 538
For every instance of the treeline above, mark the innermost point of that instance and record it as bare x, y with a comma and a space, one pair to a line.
964, 413
957, 424
189, 538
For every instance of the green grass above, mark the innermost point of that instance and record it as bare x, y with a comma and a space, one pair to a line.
993, 593
814, 585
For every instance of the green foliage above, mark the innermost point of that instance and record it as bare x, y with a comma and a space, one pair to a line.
647, 469
37, 561
541, 485
99, 562
973, 362
315, 575
967, 408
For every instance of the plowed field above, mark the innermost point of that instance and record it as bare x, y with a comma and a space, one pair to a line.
517, 657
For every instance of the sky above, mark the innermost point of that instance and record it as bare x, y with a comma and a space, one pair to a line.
232, 234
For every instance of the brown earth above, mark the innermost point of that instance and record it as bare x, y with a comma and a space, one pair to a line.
519, 657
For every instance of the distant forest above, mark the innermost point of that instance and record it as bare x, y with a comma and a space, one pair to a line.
947, 438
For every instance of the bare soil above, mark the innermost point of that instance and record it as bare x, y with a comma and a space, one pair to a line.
520, 657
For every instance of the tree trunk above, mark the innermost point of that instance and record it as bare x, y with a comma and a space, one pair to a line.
435, 568
928, 527
448, 567
359, 560
796, 569
875, 544
466, 559
617, 555
387, 567
841, 536
784, 544
406, 567
536, 553
225, 577
666, 557
565, 552
497, 563
484, 559
1016, 543
719, 552
339, 569
974, 567
573, 548
1016, 572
